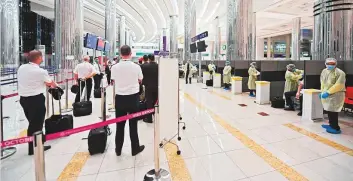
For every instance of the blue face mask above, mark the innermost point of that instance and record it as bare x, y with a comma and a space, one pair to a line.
330, 67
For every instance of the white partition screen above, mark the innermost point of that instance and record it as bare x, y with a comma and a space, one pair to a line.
168, 96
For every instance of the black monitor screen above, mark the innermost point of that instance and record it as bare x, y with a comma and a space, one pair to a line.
201, 46
90, 41
100, 44
107, 47
193, 48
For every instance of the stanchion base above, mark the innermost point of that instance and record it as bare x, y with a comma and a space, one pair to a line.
66, 110
163, 176
7, 152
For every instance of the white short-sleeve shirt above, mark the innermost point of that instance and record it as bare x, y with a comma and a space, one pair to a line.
126, 75
84, 69
31, 80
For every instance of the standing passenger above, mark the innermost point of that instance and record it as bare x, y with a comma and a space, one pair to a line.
187, 72
98, 77
332, 95
32, 82
83, 76
253, 73
127, 76
151, 85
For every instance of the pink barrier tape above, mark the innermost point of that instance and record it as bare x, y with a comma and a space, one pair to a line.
57, 135
10, 95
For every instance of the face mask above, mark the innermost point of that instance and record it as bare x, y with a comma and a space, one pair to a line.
330, 67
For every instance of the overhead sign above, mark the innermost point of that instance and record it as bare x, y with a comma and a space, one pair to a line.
200, 36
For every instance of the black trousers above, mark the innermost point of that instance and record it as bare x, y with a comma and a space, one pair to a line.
333, 120
89, 89
227, 86
187, 79
97, 80
34, 109
301, 103
252, 92
151, 99
126, 104
109, 75
288, 96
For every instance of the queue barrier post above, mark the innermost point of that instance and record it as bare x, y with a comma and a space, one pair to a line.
158, 173
39, 162
104, 115
9, 151
112, 109
66, 109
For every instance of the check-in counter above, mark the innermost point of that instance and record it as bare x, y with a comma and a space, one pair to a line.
312, 106
237, 85
206, 76
262, 92
217, 80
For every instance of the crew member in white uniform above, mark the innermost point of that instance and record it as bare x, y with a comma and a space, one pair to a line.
32, 83
83, 75
127, 77
98, 77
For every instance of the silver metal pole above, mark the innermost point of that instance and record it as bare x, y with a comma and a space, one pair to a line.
67, 109
103, 113
157, 173
39, 162
112, 109
47, 103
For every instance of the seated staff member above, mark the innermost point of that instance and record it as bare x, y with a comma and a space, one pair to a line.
292, 77
98, 77
83, 75
332, 95
32, 82
127, 77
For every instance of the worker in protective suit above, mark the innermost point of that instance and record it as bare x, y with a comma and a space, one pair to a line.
292, 77
332, 95
253, 73
188, 72
227, 75
211, 68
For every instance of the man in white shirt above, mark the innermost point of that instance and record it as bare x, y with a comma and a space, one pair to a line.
32, 83
98, 77
83, 75
127, 77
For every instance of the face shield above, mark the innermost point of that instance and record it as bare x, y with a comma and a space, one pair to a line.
291, 67
331, 63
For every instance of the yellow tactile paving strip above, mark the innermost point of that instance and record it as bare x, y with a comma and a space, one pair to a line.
220, 95
177, 166
267, 156
73, 168
321, 139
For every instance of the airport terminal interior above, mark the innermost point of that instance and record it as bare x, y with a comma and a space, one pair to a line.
248, 90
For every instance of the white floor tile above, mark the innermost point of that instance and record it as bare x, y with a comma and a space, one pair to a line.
147, 156
204, 146
343, 160
111, 162
273, 176
87, 178
197, 170
186, 148
309, 174
249, 162
213, 128
220, 167
120, 175
228, 142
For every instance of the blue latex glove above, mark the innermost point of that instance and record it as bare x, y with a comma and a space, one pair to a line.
324, 95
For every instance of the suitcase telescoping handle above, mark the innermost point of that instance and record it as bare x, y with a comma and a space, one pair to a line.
52, 104
85, 96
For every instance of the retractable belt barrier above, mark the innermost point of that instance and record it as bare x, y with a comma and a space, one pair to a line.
57, 135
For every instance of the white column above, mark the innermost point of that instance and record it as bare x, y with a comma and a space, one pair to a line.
110, 26
269, 44
173, 30
122, 30
296, 39
127, 38
260, 47
288, 46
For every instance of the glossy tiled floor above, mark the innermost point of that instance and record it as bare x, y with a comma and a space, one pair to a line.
222, 142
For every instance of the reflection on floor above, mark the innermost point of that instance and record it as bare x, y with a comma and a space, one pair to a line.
225, 140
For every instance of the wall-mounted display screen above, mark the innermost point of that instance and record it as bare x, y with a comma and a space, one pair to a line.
100, 44
201, 46
107, 47
193, 48
90, 41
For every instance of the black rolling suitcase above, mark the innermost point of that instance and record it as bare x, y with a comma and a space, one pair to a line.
57, 123
209, 83
82, 108
97, 138
278, 102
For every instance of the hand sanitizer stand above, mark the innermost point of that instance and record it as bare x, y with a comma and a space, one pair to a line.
262, 92
237, 85
312, 106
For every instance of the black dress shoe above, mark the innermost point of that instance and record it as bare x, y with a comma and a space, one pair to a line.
289, 109
31, 152
118, 153
300, 113
140, 149
147, 121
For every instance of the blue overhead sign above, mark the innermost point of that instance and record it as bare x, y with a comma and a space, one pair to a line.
200, 36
